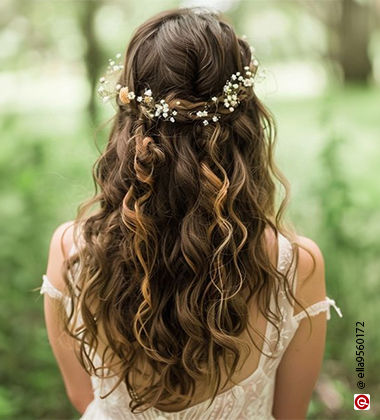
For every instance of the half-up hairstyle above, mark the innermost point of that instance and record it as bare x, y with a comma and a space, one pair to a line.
175, 247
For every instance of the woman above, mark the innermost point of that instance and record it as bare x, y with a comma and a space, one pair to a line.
186, 295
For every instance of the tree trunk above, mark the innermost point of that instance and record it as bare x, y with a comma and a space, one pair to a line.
93, 57
354, 36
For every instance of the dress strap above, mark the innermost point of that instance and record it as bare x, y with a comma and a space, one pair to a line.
53, 292
285, 253
318, 307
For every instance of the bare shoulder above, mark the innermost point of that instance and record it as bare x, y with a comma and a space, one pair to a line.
64, 233
60, 244
311, 286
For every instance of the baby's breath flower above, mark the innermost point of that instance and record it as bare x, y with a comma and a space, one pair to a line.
158, 108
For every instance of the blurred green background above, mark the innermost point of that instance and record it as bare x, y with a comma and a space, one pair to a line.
322, 60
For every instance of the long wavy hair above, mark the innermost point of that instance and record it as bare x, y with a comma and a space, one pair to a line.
175, 247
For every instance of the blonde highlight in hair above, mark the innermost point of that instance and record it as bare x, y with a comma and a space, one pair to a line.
178, 232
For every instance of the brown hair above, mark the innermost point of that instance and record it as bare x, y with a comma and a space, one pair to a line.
178, 235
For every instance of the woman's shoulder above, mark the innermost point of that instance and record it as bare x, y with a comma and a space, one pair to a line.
310, 285
60, 245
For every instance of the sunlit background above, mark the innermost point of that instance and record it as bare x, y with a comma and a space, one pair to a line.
322, 66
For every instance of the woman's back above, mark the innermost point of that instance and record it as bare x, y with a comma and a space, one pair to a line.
250, 394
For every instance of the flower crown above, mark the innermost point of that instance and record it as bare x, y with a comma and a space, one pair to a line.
234, 90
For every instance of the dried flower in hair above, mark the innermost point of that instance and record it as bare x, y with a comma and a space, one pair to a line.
124, 95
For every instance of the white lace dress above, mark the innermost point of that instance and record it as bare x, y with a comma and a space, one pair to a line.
251, 399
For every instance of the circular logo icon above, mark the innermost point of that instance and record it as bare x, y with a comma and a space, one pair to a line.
361, 401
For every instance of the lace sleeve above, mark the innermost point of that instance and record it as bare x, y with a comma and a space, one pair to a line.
318, 307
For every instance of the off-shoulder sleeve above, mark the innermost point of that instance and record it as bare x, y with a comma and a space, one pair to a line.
318, 307
48, 288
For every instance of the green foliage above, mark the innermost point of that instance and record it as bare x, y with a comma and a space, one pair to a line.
40, 176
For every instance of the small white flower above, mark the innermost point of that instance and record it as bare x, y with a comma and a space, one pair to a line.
106, 99
232, 109
174, 112
178, 103
112, 63
165, 114
118, 55
236, 85
246, 68
215, 118
102, 79
148, 92
238, 73
205, 122
172, 119
118, 86
139, 99
101, 89
255, 62
248, 73
214, 98
241, 78
131, 95
202, 113
233, 77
